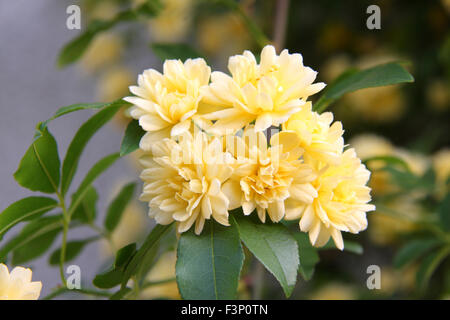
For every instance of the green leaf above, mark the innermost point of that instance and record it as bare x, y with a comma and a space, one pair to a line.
25, 209
404, 179
124, 255
35, 239
308, 255
444, 213
413, 251
95, 171
86, 211
352, 80
82, 137
428, 180
108, 279
115, 275
182, 51
118, 205
350, 246
144, 251
72, 108
209, 264
73, 249
150, 8
31, 233
429, 265
273, 245
132, 138
39, 169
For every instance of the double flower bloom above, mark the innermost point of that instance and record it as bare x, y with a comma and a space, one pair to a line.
206, 150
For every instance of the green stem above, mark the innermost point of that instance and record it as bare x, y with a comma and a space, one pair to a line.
136, 288
66, 222
63, 290
155, 283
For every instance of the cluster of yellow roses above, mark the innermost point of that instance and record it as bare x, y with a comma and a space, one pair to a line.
209, 148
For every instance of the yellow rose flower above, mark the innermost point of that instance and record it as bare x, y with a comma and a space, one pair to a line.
17, 285
264, 178
267, 93
319, 138
165, 103
183, 181
341, 204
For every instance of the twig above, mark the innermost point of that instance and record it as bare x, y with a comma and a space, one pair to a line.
281, 17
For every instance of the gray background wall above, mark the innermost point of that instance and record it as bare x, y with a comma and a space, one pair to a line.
31, 89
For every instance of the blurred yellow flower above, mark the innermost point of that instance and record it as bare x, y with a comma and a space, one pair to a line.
113, 84
334, 291
100, 10
164, 269
131, 228
398, 217
380, 104
319, 138
267, 93
334, 67
417, 163
173, 22
441, 166
369, 146
17, 285
446, 4
265, 178
341, 204
214, 28
165, 103
105, 50
438, 95
183, 181
334, 36
393, 280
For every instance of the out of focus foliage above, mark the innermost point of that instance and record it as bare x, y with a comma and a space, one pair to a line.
401, 132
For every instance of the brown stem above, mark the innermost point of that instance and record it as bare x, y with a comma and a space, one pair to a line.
281, 16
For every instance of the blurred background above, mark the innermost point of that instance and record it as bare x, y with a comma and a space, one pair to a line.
406, 122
